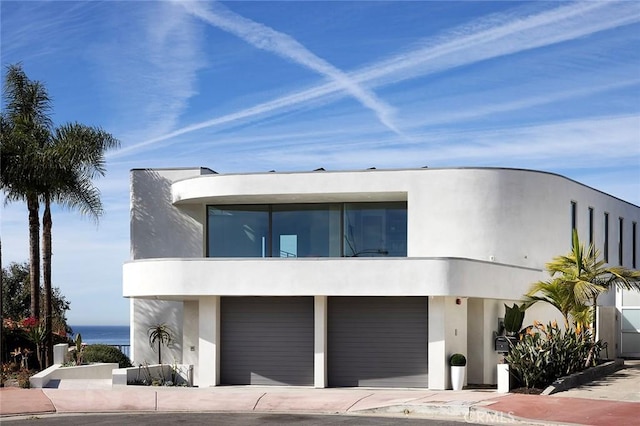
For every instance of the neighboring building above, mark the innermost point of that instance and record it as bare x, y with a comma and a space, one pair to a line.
357, 278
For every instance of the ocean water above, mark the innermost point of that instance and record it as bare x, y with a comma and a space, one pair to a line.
105, 334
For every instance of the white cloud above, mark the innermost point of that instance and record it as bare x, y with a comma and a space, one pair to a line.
475, 109
149, 67
573, 144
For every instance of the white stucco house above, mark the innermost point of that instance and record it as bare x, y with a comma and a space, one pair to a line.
357, 278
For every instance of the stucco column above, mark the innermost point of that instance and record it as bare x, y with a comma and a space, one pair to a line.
190, 334
132, 330
438, 373
208, 373
447, 335
320, 341
477, 341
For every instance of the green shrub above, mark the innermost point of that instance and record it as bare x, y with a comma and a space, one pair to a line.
105, 353
546, 353
23, 378
513, 317
457, 360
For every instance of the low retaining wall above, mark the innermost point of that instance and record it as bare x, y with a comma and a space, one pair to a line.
157, 374
86, 372
582, 377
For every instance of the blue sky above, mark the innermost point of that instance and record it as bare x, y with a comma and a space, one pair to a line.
259, 86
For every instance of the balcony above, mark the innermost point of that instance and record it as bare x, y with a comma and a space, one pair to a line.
188, 279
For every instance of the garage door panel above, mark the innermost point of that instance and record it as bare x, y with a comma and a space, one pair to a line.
378, 341
267, 340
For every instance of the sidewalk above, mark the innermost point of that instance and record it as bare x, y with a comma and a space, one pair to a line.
612, 400
474, 406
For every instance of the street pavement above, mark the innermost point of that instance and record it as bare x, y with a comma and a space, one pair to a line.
613, 400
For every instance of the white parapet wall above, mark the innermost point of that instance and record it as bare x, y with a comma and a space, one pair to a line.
85, 372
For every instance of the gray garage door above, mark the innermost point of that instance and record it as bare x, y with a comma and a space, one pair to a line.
377, 341
266, 340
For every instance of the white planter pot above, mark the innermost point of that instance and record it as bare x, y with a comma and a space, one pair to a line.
457, 377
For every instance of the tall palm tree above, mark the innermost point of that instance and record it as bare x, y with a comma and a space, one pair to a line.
25, 128
75, 156
45, 165
585, 276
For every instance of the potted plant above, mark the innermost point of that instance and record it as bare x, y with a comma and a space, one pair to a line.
458, 364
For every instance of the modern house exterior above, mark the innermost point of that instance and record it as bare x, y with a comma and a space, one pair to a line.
357, 278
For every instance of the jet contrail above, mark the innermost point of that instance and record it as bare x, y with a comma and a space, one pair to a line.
470, 45
283, 45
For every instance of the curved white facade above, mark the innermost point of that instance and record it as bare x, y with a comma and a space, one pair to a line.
476, 237
186, 279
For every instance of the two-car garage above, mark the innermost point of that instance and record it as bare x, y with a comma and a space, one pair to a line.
371, 341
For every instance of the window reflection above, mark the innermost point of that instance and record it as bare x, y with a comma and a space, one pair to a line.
238, 231
308, 230
375, 229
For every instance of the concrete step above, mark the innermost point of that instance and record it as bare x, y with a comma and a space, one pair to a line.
79, 384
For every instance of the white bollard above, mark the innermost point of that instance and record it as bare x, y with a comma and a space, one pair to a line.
503, 378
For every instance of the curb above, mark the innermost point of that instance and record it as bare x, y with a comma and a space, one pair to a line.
582, 377
455, 409
470, 413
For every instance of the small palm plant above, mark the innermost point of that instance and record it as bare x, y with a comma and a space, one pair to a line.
160, 334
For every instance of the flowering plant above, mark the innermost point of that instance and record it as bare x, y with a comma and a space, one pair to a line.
29, 322
10, 325
36, 333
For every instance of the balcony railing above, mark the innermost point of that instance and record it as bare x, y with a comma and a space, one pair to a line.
125, 349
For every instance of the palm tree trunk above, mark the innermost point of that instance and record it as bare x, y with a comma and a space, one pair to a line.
594, 324
1, 310
46, 277
34, 254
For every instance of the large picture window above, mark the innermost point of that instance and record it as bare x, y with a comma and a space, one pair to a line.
308, 230
238, 231
375, 229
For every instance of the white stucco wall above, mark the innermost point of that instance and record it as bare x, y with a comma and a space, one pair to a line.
479, 234
511, 216
158, 229
180, 279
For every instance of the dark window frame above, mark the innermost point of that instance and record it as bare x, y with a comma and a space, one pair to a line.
634, 247
620, 241
591, 234
605, 251
574, 219
270, 209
